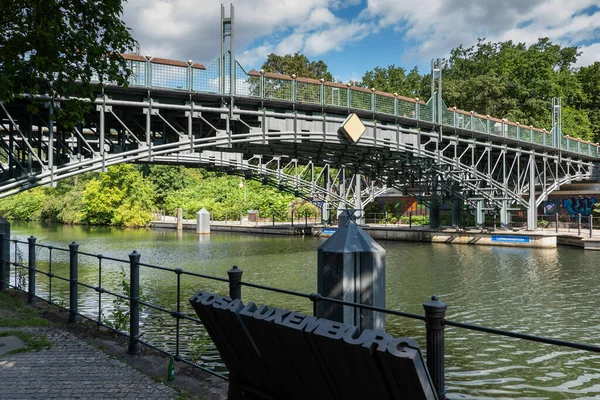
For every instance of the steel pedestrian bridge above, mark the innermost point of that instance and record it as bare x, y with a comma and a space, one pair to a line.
285, 131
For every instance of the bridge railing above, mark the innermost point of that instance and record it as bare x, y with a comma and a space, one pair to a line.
61, 266
194, 77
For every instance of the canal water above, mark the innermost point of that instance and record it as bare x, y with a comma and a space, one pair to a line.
547, 292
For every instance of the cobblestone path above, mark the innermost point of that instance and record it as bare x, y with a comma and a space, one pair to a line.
73, 369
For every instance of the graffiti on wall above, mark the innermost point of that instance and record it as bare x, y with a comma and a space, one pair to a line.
570, 205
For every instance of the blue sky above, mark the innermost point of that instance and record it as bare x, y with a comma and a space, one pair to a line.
354, 36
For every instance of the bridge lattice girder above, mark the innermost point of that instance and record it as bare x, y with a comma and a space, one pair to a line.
297, 147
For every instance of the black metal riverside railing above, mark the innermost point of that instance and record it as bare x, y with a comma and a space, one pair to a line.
24, 275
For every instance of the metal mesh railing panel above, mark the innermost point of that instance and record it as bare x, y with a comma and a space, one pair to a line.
447, 117
426, 112
573, 145
361, 100
406, 109
254, 88
278, 89
384, 104
336, 96
511, 132
243, 84
208, 80
480, 125
462, 121
585, 148
138, 73
538, 137
169, 76
564, 143
307, 92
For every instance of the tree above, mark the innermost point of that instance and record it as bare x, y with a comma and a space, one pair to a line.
58, 46
513, 81
394, 79
589, 78
297, 64
120, 197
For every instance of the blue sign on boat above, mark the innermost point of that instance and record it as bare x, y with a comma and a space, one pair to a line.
329, 231
511, 239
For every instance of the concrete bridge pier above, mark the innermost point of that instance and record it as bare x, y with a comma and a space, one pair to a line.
457, 206
434, 213
504, 217
479, 214
532, 210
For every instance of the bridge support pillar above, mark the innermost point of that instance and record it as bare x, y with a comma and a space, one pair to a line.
358, 201
532, 210
479, 215
504, 215
434, 213
457, 206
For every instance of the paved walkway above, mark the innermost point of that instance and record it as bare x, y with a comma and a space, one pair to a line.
73, 369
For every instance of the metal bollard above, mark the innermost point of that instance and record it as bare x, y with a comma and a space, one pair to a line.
435, 313
134, 305
410, 219
31, 271
292, 218
273, 218
234, 391
235, 288
73, 280
591, 224
556, 222
579, 224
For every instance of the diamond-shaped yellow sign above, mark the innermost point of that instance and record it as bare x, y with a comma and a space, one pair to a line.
353, 128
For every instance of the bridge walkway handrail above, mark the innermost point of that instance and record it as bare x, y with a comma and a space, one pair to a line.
159, 73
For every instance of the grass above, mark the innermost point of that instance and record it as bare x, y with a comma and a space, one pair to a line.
15, 312
34, 342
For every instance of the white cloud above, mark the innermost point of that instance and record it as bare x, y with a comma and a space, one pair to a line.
334, 38
440, 25
182, 29
589, 55
185, 29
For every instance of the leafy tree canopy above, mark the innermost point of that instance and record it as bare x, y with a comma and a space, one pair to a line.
58, 46
297, 64
513, 81
393, 79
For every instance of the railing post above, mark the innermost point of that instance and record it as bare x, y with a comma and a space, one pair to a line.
31, 271
273, 218
591, 222
134, 305
235, 287
235, 292
292, 218
410, 219
435, 313
556, 222
73, 280
579, 224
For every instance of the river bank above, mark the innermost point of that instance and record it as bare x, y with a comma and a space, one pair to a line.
98, 355
510, 238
